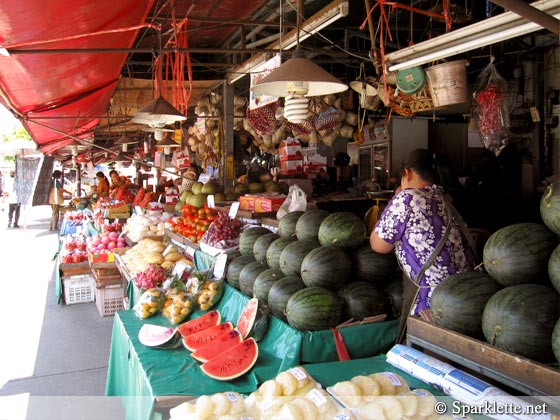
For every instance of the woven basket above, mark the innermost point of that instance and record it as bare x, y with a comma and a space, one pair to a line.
327, 120
299, 129
263, 119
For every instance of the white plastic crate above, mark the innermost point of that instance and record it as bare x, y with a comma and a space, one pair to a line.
78, 289
109, 299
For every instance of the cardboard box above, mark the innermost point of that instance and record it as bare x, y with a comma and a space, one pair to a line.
291, 167
268, 204
289, 149
315, 164
247, 202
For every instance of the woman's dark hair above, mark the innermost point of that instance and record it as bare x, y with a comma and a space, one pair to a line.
113, 172
423, 163
56, 174
100, 175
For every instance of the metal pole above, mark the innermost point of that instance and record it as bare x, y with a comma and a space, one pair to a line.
531, 13
17, 51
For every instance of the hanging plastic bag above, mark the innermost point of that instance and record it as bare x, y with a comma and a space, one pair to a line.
295, 201
490, 112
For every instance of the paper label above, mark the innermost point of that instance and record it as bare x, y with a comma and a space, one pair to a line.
179, 269
298, 373
231, 396
233, 210
394, 380
535, 114
167, 250
138, 210
220, 266
341, 417
210, 200
190, 250
317, 398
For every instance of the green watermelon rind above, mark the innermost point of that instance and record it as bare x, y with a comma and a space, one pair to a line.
361, 299
248, 237
234, 269
342, 229
253, 320
275, 249
287, 224
307, 226
264, 282
228, 359
556, 341
549, 205
554, 268
327, 266
280, 292
313, 309
368, 265
248, 275
293, 255
261, 246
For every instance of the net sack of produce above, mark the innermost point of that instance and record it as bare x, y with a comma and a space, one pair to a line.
150, 303
178, 305
489, 109
223, 232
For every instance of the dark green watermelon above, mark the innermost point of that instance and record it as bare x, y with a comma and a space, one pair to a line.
275, 249
248, 237
521, 318
368, 265
394, 292
307, 226
554, 268
314, 308
261, 246
264, 282
457, 302
287, 224
342, 229
248, 275
361, 299
556, 341
280, 292
550, 207
293, 254
326, 266
235, 267
519, 253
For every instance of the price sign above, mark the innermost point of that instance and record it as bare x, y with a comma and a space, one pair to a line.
233, 210
210, 200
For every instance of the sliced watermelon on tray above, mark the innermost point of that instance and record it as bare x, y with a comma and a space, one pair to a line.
253, 321
209, 319
158, 337
219, 345
199, 339
234, 362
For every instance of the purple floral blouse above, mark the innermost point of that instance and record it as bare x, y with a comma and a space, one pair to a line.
414, 221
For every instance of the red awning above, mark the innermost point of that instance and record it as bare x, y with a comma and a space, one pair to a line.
67, 92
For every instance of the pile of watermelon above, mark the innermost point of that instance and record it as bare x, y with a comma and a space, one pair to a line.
512, 304
317, 271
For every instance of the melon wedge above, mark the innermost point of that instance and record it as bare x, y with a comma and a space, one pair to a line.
234, 362
209, 319
158, 337
220, 344
201, 338
253, 320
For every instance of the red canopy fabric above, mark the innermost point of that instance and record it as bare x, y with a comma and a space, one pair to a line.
67, 92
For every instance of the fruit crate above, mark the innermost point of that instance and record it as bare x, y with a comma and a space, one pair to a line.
78, 289
109, 299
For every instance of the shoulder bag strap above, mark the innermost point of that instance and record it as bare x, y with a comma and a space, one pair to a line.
460, 222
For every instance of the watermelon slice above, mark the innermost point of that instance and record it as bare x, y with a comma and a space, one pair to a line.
253, 321
234, 362
199, 339
158, 337
220, 344
209, 319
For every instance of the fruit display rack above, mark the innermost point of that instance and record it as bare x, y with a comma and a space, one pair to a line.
520, 373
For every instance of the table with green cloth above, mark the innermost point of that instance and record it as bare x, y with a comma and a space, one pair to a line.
142, 373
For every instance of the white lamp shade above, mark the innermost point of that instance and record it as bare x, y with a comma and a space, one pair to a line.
160, 111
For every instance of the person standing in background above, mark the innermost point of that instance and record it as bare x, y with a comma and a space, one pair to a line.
13, 203
102, 188
56, 199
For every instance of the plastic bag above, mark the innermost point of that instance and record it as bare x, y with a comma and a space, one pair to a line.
178, 305
295, 201
490, 109
151, 301
207, 289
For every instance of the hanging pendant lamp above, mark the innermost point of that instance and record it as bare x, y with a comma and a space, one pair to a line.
159, 111
124, 141
167, 144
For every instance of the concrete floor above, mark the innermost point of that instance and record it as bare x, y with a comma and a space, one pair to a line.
53, 357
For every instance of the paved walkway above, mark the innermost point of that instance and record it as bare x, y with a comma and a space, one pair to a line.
53, 358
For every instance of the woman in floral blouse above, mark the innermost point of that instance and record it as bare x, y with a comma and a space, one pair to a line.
413, 223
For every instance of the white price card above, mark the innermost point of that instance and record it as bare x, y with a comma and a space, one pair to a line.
210, 200
179, 269
138, 210
190, 251
166, 251
233, 210
219, 266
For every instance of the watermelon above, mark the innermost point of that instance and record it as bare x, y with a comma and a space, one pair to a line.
159, 337
554, 268
549, 206
457, 302
198, 339
264, 282
253, 320
519, 253
307, 226
521, 318
261, 246
368, 265
361, 299
280, 292
209, 319
293, 254
394, 292
342, 229
234, 362
248, 237
217, 346
314, 308
287, 224
556, 341
248, 276
234, 269
275, 249
326, 266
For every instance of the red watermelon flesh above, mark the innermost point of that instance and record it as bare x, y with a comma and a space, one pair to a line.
234, 362
247, 317
209, 319
220, 344
199, 339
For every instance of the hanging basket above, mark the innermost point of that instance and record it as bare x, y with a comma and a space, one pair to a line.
298, 129
328, 119
263, 119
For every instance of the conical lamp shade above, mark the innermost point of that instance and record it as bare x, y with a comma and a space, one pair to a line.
167, 144
359, 85
295, 71
119, 158
124, 139
81, 158
159, 110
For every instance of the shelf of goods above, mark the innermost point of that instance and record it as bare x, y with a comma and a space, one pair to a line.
136, 370
525, 375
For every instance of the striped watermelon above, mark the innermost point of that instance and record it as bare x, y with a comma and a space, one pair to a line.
314, 308
361, 299
280, 292
550, 206
287, 224
556, 341
554, 268
326, 266
275, 249
342, 229
519, 253
292, 256
235, 267
261, 246
368, 265
264, 282
248, 237
248, 275
307, 226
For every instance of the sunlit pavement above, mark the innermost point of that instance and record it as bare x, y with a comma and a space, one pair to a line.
52, 354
